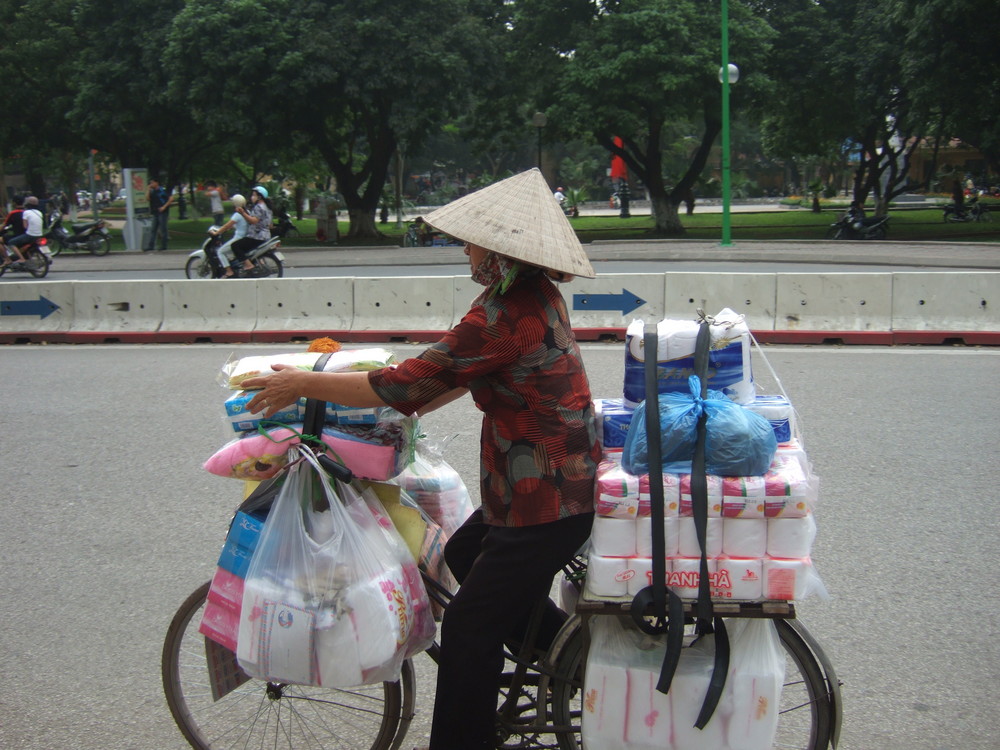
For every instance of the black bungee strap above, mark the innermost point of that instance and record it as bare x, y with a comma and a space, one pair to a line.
667, 608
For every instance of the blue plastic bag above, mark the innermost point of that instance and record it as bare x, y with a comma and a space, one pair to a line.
738, 441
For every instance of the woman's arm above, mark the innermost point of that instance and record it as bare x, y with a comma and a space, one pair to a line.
443, 400
248, 216
288, 384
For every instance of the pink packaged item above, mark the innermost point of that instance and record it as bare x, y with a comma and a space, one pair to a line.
369, 452
617, 491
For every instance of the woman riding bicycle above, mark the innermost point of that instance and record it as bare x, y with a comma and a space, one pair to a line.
258, 219
515, 352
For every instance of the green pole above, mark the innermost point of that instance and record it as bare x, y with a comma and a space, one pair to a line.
726, 187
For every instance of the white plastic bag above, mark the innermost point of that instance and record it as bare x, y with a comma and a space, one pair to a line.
331, 597
430, 480
753, 690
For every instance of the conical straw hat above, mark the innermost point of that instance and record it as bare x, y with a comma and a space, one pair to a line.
519, 218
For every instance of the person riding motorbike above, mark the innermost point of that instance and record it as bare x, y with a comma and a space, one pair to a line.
258, 232
33, 231
238, 224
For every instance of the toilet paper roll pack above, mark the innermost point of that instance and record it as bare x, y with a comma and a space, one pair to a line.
729, 358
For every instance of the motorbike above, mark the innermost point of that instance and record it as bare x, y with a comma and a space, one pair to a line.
204, 262
283, 226
856, 226
92, 237
971, 211
37, 259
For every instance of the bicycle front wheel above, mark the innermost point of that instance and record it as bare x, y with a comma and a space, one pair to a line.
265, 714
804, 717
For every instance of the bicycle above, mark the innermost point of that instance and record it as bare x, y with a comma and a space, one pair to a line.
378, 717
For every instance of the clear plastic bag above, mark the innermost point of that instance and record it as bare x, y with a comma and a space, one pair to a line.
738, 442
752, 697
332, 597
430, 480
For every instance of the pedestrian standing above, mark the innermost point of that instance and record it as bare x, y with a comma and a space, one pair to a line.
159, 207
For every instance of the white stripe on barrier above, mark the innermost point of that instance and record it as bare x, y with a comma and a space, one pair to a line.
750, 294
29, 306
305, 304
118, 306
404, 303
946, 301
210, 305
833, 302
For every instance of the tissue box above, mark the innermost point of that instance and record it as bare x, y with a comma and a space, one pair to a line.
240, 544
613, 420
242, 420
779, 412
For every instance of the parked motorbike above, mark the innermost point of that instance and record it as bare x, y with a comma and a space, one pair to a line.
283, 226
971, 211
92, 237
37, 259
855, 226
204, 263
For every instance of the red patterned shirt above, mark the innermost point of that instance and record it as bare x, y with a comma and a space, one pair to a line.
517, 355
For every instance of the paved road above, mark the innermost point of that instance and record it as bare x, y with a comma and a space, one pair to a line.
109, 522
638, 255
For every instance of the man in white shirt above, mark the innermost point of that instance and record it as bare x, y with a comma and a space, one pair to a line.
33, 231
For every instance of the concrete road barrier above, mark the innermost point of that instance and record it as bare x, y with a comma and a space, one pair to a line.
750, 294
863, 308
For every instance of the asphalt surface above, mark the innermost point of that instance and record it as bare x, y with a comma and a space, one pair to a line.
110, 522
770, 255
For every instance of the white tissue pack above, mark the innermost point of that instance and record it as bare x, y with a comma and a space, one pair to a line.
729, 367
760, 529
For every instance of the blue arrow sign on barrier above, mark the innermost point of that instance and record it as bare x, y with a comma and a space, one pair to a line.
626, 301
41, 307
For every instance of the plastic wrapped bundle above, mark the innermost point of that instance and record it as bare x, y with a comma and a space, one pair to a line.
739, 442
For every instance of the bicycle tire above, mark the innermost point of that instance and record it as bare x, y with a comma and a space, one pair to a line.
804, 715
262, 714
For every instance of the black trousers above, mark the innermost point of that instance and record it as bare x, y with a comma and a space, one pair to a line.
503, 572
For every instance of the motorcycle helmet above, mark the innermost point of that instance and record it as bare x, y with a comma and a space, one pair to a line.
31, 200
238, 200
260, 189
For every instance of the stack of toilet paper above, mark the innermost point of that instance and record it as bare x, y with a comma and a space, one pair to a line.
622, 710
760, 532
728, 358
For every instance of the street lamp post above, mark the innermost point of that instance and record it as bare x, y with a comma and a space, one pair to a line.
539, 120
728, 74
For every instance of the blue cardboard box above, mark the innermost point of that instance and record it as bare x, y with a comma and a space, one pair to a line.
240, 543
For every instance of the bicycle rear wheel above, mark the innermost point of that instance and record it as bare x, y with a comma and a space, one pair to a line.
263, 714
804, 715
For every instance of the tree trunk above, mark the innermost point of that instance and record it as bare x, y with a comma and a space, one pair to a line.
362, 222
666, 219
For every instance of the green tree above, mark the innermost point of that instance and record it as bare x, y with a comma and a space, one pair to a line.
122, 103
949, 61
633, 67
354, 78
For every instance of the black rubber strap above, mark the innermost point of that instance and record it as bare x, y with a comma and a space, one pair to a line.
315, 415
706, 622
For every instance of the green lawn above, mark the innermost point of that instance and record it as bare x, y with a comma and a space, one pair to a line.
905, 224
